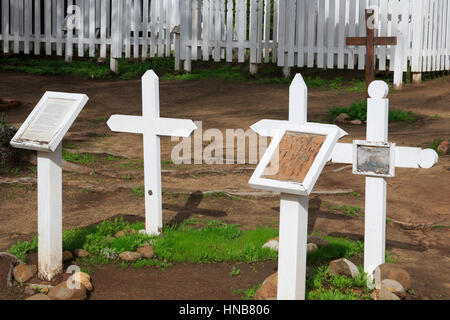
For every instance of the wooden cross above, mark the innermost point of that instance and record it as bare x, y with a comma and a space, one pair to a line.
370, 41
152, 127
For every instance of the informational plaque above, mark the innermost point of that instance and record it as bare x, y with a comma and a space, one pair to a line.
373, 158
294, 160
49, 121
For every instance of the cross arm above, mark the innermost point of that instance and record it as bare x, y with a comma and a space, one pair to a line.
269, 128
356, 41
405, 157
147, 125
385, 41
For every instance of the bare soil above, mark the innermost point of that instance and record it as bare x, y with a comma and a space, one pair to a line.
417, 200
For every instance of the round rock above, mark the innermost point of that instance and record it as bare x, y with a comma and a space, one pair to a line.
23, 273
83, 278
311, 247
394, 272
146, 251
394, 286
129, 256
268, 289
63, 292
67, 256
343, 267
81, 253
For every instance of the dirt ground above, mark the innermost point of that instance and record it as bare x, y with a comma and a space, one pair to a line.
417, 199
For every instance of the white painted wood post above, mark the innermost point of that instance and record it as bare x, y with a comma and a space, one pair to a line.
292, 247
398, 69
152, 156
293, 215
49, 174
375, 202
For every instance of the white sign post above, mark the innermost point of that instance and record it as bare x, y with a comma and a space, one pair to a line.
345, 153
294, 196
152, 127
43, 131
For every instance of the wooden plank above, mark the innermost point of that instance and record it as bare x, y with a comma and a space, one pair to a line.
135, 18
253, 32
242, 35
103, 27
81, 31
37, 27
260, 32
69, 37
383, 13
153, 29
301, 22
447, 41
161, 29
167, 38
281, 33
205, 30
311, 32
362, 33
356, 41
59, 12
296, 154
417, 36
267, 11
48, 26
290, 32
275, 32
16, 25
331, 32
196, 21
145, 16
91, 28
127, 28
5, 26
217, 30
321, 32
341, 34
405, 6
230, 31
27, 30
351, 33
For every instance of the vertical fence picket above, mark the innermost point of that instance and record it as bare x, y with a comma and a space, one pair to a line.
59, 8
5, 26
27, 28
161, 29
16, 25
266, 40
281, 32
362, 33
217, 30
253, 30
341, 34
135, 18
311, 32
145, 9
37, 27
69, 34
331, 32
48, 26
351, 33
320, 32
290, 32
103, 22
91, 28
230, 31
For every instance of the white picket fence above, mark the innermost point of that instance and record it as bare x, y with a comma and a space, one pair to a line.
303, 33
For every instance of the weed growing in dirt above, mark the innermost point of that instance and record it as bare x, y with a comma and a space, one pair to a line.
81, 158
235, 271
324, 286
247, 294
21, 249
349, 210
358, 111
138, 191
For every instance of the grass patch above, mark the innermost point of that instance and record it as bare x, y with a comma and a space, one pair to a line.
213, 242
247, 294
358, 111
81, 158
349, 210
138, 191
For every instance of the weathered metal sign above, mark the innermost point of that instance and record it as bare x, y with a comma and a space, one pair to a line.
374, 158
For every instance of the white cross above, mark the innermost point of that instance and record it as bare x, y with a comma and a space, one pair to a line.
289, 286
293, 208
152, 127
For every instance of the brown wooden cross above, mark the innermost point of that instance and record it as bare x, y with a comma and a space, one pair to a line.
370, 41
